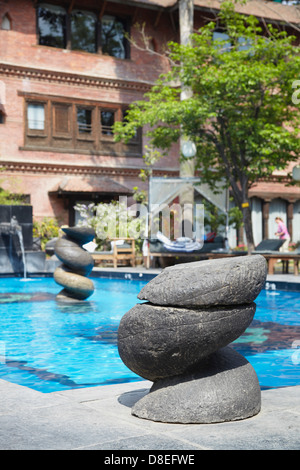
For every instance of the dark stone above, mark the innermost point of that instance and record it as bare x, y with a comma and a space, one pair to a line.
23, 213
73, 256
225, 281
81, 234
5, 213
223, 388
49, 247
156, 342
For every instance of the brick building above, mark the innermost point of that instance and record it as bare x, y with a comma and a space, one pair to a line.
67, 72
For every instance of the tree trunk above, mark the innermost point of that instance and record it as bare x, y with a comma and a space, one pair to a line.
240, 195
248, 227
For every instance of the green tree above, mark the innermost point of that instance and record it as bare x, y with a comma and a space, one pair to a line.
240, 113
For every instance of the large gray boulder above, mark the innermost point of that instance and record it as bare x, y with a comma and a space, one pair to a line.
225, 281
223, 388
156, 342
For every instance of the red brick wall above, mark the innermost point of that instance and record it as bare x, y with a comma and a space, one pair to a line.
18, 47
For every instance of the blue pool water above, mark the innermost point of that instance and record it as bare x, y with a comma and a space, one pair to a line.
50, 346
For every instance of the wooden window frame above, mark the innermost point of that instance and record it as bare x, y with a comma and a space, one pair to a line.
67, 39
73, 141
37, 132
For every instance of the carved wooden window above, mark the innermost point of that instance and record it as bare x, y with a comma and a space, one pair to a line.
83, 126
61, 119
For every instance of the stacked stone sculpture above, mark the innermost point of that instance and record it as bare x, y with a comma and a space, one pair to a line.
179, 340
77, 264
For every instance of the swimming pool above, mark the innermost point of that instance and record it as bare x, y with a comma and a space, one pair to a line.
50, 346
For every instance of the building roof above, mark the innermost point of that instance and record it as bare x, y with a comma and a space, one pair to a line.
270, 10
268, 190
91, 184
262, 9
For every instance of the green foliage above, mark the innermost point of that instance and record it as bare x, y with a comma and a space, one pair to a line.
213, 217
9, 199
45, 229
235, 217
151, 156
240, 113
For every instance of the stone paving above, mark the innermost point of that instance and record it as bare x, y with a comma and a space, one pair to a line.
99, 418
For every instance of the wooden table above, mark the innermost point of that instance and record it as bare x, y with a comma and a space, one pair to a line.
272, 259
118, 252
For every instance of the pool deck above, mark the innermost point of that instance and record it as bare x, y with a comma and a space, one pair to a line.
99, 418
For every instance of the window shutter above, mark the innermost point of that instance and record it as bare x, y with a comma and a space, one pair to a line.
61, 119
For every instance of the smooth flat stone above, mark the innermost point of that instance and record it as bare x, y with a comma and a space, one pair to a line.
81, 234
223, 388
73, 256
225, 281
75, 285
156, 342
64, 296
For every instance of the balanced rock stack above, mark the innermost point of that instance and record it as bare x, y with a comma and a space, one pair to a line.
77, 264
179, 340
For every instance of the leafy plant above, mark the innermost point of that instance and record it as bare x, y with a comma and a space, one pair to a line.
45, 229
9, 199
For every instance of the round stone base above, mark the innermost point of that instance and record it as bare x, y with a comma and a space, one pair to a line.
223, 388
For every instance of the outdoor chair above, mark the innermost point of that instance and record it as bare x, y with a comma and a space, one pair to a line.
122, 249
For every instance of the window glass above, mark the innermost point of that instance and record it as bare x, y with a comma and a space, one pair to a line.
220, 36
244, 44
113, 37
51, 25
107, 122
5, 24
1, 118
36, 116
84, 120
83, 31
